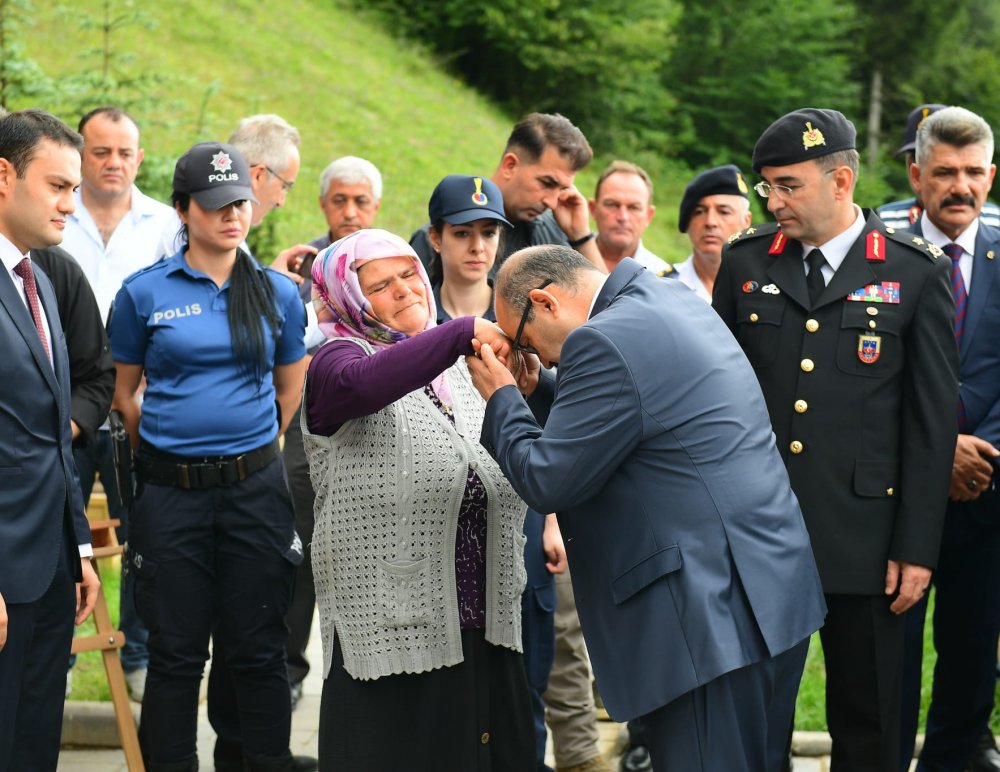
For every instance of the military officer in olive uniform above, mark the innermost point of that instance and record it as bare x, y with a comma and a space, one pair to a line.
849, 327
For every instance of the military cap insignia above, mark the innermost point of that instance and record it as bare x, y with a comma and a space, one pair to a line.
742, 184
221, 162
479, 198
812, 137
869, 348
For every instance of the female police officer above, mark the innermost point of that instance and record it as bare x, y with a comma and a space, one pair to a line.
219, 339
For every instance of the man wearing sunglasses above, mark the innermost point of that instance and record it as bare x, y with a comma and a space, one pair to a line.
657, 453
849, 327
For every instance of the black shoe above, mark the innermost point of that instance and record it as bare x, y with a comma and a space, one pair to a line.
636, 759
296, 693
304, 764
985, 759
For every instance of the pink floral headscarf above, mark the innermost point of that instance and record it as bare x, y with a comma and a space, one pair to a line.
341, 307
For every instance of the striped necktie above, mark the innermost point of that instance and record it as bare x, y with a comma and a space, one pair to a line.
954, 251
23, 269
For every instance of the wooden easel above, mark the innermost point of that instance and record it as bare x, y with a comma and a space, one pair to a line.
108, 641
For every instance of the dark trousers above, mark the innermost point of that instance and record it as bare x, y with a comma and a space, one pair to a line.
737, 722
966, 626
863, 647
33, 674
91, 461
469, 717
300, 615
215, 562
538, 609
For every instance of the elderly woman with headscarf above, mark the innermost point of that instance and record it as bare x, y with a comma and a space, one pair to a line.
417, 551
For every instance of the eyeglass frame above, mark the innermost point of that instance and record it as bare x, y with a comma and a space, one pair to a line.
284, 183
785, 191
516, 343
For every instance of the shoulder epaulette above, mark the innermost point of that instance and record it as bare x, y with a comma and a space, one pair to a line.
915, 242
753, 232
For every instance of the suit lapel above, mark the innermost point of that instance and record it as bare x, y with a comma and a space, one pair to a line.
984, 270
624, 272
19, 314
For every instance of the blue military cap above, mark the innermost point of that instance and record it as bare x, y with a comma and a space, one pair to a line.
461, 198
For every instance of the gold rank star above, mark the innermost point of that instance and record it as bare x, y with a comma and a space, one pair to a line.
751, 231
734, 237
918, 241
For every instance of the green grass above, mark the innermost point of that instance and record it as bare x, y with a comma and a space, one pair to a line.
347, 84
89, 679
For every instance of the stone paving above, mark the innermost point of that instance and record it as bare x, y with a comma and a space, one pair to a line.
305, 722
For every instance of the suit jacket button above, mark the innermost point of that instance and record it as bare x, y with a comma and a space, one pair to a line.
795, 446
812, 325
801, 406
754, 317
807, 365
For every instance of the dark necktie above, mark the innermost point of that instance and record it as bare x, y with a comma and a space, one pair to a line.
954, 251
23, 269
814, 279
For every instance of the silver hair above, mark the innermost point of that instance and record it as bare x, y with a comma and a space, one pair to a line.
351, 170
954, 126
265, 139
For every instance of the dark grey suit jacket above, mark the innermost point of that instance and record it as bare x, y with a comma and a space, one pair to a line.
689, 553
40, 497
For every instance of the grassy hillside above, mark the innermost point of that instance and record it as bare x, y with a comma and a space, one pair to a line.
346, 84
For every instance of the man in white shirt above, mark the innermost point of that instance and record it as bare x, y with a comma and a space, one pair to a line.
622, 207
715, 205
115, 231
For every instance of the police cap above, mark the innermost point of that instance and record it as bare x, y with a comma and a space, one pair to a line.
803, 135
460, 198
722, 180
214, 174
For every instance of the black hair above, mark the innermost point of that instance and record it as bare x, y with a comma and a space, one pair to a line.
23, 131
435, 270
537, 131
251, 305
114, 114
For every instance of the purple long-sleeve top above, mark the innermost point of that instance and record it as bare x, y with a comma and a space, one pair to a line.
345, 382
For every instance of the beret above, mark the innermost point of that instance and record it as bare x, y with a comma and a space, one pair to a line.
803, 135
722, 180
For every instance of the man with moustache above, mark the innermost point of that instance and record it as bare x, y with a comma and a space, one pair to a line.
952, 175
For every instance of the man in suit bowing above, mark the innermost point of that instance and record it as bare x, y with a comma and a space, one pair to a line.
46, 577
848, 325
692, 570
952, 175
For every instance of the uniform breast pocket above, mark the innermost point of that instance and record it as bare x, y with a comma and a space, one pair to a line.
870, 343
759, 319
